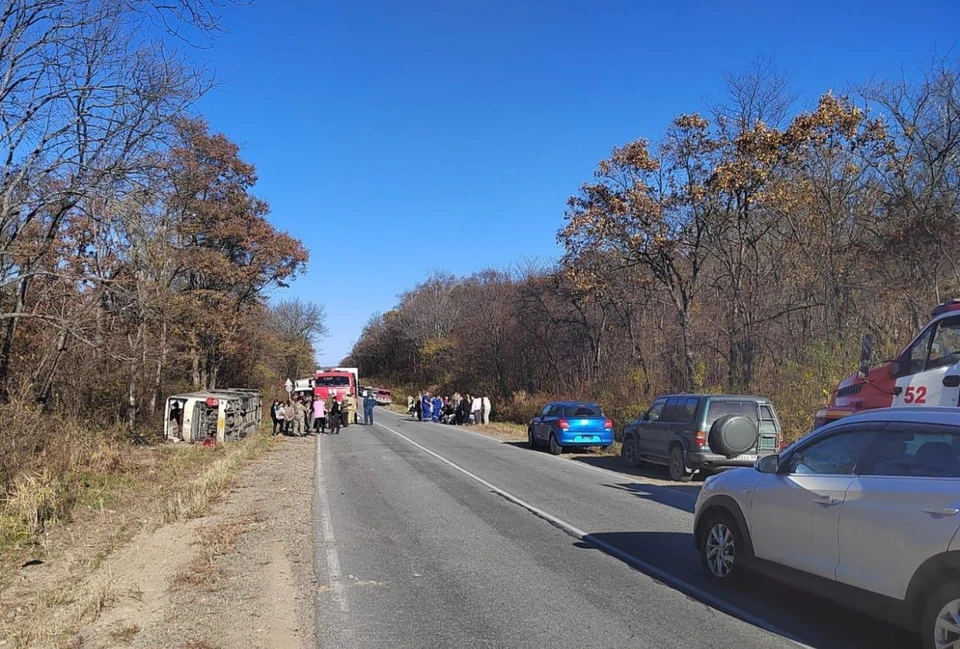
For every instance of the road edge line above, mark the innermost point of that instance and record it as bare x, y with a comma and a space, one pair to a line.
331, 558
644, 567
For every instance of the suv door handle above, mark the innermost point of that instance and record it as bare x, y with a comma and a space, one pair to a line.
941, 511
828, 501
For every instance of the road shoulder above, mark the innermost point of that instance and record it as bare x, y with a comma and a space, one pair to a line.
239, 577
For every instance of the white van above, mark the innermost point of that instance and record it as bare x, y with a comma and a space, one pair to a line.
221, 415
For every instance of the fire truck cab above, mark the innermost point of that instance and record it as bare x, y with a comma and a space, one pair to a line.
925, 373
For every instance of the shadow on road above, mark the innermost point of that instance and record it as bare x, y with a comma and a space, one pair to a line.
800, 615
680, 496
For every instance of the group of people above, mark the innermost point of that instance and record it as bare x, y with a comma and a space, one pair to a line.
301, 414
459, 410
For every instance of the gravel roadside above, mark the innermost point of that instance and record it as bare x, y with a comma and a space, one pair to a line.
240, 577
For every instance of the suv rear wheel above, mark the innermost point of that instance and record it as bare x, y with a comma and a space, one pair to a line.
940, 625
628, 451
678, 467
721, 548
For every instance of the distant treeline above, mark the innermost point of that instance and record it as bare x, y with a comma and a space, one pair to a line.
745, 250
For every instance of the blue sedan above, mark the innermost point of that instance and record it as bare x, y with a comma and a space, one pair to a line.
566, 424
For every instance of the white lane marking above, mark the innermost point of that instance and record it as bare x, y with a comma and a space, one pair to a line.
330, 556
569, 462
631, 560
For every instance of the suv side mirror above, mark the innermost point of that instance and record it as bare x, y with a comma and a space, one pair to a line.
768, 464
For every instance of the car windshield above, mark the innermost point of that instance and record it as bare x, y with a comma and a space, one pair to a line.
719, 409
583, 410
332, 381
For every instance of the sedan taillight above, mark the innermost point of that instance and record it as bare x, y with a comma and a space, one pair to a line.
564, 424
608, 423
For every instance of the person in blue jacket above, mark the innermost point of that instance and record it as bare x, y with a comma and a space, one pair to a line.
437, 407
426, 406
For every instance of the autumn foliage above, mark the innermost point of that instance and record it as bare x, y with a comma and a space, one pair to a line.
745, 250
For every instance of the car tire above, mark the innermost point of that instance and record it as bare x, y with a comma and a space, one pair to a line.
678, 467
628, 452
555, 448
945, 602
722, 549
531, 440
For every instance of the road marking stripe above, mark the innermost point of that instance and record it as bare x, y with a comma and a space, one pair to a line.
569, 462
330, 557
631, 560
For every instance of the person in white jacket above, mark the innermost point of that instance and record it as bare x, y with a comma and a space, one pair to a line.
477, 409
486, 410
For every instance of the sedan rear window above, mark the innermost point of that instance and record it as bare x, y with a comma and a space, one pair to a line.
583, 410
718, 409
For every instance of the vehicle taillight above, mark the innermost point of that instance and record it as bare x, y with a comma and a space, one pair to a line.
564, 424
701, 438
211, 402
608, 423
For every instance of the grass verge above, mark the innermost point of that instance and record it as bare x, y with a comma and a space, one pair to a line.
158, 485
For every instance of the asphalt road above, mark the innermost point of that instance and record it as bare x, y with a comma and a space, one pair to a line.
431, 536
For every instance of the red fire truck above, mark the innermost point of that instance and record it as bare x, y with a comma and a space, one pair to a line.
925, 373
337, 382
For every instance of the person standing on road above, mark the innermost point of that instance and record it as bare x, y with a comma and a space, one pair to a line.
410, 405
486, 410
477, 409
369, 403
418, 407
464, 409
425, 407
275, 416
436, 407
299, 417
289, 415
319, 415
333, 414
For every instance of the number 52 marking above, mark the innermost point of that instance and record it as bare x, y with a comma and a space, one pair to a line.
915, 394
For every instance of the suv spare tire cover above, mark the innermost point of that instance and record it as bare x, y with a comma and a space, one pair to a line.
733, 435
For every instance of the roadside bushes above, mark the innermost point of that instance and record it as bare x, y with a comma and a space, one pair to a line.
46, 462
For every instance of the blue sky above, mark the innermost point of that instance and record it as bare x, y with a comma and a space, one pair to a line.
398, 137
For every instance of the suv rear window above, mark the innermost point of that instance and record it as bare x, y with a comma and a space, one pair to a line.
718, 408
583, 410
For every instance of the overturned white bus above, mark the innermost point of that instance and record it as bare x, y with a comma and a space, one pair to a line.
217, 415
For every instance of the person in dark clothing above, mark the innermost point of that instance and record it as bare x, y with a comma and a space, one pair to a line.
333, 416
418, 408
274, 416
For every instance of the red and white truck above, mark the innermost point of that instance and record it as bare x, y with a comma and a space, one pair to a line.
338, 382
925, 373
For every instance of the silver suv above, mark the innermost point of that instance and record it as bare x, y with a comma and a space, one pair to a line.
866, 510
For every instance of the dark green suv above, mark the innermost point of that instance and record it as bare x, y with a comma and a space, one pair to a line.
689, 432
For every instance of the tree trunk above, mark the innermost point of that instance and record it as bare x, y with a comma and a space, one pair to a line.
43, 397
161, 362
6, 351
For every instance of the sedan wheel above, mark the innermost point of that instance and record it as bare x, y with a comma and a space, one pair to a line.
719, 549
555, 448
531, 440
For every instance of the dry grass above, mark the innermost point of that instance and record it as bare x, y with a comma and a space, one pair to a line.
204, 572
154, 486
123, 634
199, 644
